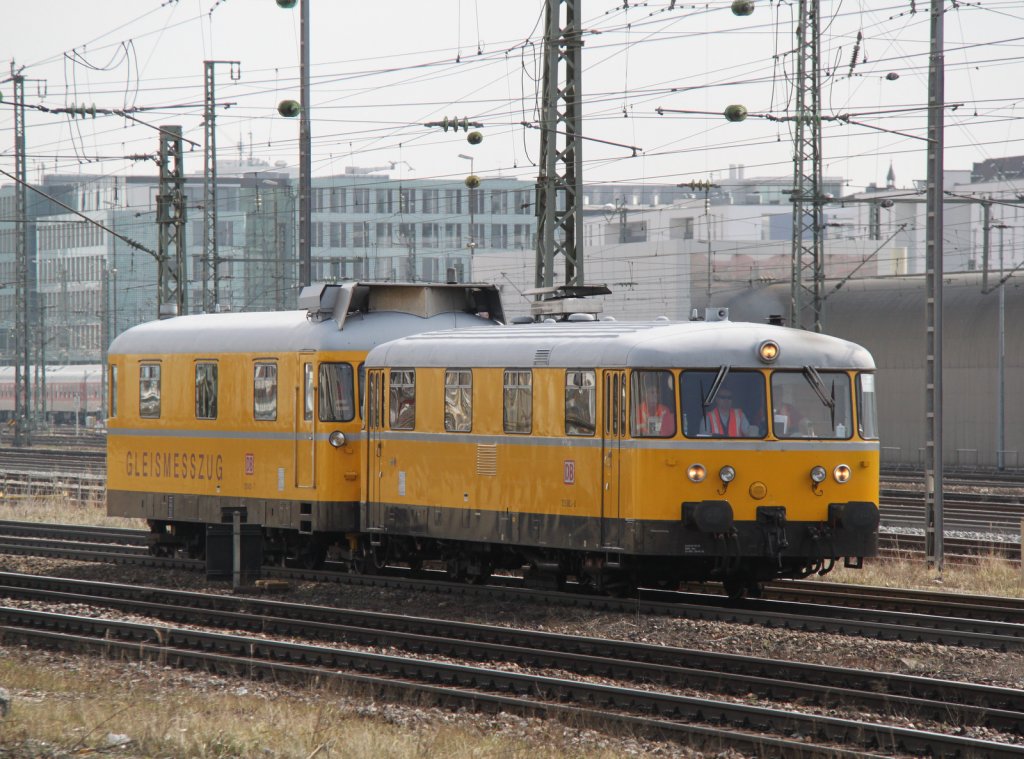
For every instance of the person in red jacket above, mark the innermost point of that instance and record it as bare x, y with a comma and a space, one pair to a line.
654, 418
725, 419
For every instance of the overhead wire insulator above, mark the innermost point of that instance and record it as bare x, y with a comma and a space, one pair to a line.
742, 7
472, 181
475, 138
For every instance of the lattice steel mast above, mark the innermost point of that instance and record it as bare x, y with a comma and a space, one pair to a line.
560, 184
170, 213
808, 271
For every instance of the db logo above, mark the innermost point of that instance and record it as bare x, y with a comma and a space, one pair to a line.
569, 472
250, 463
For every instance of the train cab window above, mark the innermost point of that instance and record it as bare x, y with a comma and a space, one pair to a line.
458, 400
518, 401
809, 404
653, 404
402, 399
867, 409
580, 402
149, 391
264, 392
723, 403
113, 390
337, 394
206, 390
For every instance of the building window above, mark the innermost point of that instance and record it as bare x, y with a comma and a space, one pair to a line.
361, 234
264, 392
337, 232
407, 201
454, 201
429, 198
580, 407
499, 201
337, 394
383, 201
206, 390
149, 391
431, 235
384, 236
476, 201
458, 400
360, 201
337, 198
518, 401
402, 399
499, 236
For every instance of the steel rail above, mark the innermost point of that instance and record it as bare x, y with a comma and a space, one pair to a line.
174, 645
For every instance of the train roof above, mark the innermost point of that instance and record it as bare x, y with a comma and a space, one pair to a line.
640, 344
276, 331
353, 316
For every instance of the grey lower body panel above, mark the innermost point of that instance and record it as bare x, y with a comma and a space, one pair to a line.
773, 536
303, 516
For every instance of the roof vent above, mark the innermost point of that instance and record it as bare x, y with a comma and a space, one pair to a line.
542, 357
716, 314
581, 318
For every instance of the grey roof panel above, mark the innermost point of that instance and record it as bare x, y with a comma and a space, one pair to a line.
621, 344
277, 331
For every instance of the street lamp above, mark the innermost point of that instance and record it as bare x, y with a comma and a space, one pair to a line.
472, 182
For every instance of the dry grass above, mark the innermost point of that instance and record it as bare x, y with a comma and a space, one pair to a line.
984, 576
54, 509
80, 706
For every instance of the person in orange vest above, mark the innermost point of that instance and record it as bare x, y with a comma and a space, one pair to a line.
725, 420
654, 418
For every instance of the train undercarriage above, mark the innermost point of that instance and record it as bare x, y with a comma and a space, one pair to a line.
600, 572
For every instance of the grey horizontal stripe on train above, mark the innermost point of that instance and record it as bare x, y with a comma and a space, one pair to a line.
228, 434
698, 444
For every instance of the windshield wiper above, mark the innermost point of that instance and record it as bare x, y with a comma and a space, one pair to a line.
815, 381
723, 372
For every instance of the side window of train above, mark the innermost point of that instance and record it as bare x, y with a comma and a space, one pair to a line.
580, 402
337, 394
264, 391
737, 409
149, 391
518, 401
113, 390
307, 392
867, 408
402, 399
653, 404
362, 390
458, 400
206, 390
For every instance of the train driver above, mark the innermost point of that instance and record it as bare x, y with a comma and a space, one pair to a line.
654, 418
726, 419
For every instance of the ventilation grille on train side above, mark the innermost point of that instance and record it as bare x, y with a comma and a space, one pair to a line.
542, 357
487, 459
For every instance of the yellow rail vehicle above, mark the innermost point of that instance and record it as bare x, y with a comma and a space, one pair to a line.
622, 454
259, 413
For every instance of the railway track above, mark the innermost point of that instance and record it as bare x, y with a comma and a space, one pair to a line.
621, 705
946, 619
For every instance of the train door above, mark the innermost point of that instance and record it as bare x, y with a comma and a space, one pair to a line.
374, 444
613, 430
305, 428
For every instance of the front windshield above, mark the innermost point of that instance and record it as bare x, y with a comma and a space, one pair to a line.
735, 410
809, 404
